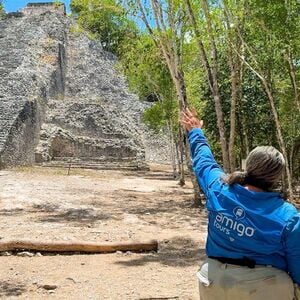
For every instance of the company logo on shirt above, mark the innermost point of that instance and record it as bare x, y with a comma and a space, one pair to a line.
239, 213
227, 224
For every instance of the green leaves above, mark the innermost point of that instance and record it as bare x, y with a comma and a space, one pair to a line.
160, 114
149, 77
107, 20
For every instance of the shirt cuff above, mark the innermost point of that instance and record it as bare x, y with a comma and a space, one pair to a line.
194, 132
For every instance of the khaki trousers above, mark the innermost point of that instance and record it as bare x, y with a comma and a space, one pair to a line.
218, 281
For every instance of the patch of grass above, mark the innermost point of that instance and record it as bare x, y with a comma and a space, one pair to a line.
78, 30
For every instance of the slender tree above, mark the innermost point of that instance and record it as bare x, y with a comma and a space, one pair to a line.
211, 71
168, 35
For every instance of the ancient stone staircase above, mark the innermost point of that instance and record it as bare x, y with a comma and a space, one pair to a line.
10, 59
24, 84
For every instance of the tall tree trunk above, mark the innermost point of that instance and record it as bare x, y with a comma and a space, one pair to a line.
170, 133
196, 187
266, 82
279, 136
212, 77
234, 64
181, 153
234, 97
240, 97
217, 96
292, 74
167, 44
180, 84
172, 148
177, 155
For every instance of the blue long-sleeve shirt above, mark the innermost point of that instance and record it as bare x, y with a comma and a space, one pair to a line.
258, 225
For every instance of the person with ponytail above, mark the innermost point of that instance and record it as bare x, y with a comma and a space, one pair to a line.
253, 241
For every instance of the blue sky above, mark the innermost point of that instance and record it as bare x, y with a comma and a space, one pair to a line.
14, 5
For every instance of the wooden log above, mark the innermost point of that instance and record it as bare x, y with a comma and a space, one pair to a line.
74, 246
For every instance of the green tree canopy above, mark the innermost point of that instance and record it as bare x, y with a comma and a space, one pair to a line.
243, 55
107, 20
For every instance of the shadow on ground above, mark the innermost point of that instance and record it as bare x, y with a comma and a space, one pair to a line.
11, 212
166, 205
79, 216
160, 204
123, 202
176, 252
8, 289
172, 207
45, 207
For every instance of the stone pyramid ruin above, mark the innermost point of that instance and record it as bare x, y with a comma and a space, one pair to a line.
62, 100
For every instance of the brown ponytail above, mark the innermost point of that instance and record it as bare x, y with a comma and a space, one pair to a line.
235, 177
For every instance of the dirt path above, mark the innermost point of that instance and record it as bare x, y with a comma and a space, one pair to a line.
46, 204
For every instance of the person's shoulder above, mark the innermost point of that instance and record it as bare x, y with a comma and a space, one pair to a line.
289, 207
293, 223
287, 211
218, 184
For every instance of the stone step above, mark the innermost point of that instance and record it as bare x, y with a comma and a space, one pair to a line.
97, 166
89, 160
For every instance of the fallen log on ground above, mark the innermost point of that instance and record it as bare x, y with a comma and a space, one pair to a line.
73, 246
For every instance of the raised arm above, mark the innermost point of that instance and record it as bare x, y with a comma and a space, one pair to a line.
205, 167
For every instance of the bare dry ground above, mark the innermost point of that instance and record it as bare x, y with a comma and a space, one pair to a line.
46, 204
